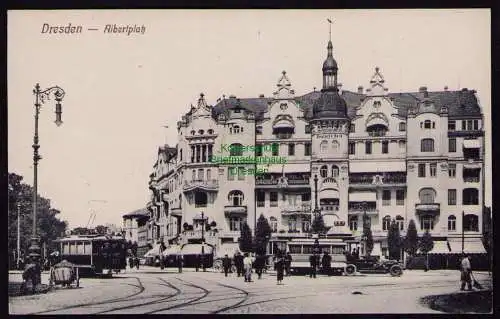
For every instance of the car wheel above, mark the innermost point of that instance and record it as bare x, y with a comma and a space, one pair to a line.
218, 265
396, 271
350, 270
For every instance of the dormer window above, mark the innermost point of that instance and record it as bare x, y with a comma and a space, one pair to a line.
201, 132
210, 131
193, 132
283, 106
427, 124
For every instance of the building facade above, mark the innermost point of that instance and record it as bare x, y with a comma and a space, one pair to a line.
392, 156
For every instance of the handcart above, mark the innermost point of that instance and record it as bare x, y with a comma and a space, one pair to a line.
64, 274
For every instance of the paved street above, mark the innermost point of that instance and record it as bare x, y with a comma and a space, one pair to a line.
153, 291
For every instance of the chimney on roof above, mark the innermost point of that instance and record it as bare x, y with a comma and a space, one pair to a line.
446, 87
464, 90
261, 95
360, 89
232, 96
314, 89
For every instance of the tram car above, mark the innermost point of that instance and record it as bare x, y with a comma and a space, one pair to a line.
95, 254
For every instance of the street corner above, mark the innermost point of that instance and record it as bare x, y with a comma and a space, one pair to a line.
479, 302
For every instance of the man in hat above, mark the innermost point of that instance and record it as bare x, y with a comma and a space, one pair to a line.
465, 273
226, 264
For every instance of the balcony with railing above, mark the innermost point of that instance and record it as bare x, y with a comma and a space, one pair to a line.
207, 185
358, 208
176, 211
294, 210
329, 208
290, 181
235, 210
370, 180
197, 234
425, 208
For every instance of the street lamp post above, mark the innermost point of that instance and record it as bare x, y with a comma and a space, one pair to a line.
40, 98
316, 211
18, 261
365, 219
203, 240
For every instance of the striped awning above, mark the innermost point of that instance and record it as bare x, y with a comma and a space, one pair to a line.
471, 246
441, 247
195, 249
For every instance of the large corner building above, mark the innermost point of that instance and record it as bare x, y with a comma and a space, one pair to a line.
410, 155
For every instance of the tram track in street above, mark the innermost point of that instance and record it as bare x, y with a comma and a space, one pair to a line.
163, 298
112, 300
206, 292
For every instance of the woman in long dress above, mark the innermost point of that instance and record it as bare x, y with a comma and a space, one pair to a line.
280, 267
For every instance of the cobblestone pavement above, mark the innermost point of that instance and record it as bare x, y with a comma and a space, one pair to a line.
154, 291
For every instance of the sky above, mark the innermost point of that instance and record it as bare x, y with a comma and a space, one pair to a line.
121, 90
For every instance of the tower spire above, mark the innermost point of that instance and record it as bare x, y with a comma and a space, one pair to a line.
330, 29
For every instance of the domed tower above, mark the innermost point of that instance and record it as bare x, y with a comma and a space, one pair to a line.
330, 129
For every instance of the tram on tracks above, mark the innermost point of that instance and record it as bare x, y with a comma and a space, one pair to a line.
95, 254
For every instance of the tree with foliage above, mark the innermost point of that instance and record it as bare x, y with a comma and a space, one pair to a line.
425, 245
81, 231
245, 240
49, 226
262, 235
411, 239
394, 241
367, 234
318, 224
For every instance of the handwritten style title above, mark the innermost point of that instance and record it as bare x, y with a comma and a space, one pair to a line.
108, 28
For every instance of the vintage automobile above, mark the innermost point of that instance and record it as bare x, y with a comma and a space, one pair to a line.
373, 265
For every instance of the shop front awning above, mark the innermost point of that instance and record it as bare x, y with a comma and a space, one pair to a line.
441, 247
376, 167
472, 143
172, 250
329, 193
471, 246
363, 197
286, 168
195, 249
153, 252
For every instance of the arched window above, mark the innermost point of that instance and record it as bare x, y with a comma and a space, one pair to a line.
201, 132
353, 223
427, 145
273, 222
323, 147
210, 131
200, 199
200, 174
209, 174
193, 132
180, 201
335, 146
427, 196
402, 126
400, 221
335, 171
323, 171
427, 124
471, 222
386, 223
470, 196
236, 149
452, 223
236, 129
235, 198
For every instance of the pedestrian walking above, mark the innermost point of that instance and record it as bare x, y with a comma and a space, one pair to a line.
136, 262
280, 267
197, 262
465, 273
131, 262
180, 262
313, 261
238, 260
326, 263
288, 263
226, 264
247, 264
260, 263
